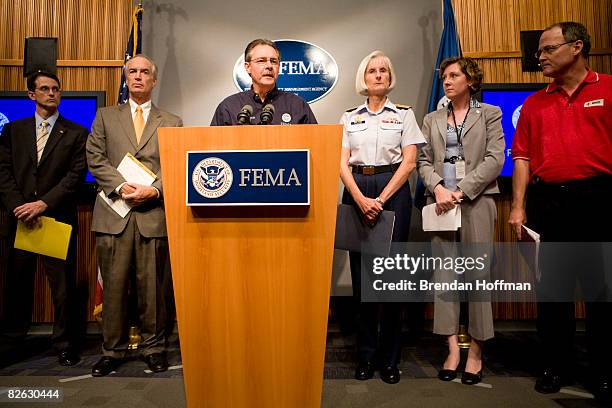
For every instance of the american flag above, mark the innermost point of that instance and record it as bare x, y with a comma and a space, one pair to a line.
134, 46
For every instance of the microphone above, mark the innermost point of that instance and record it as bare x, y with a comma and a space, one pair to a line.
266, 115
244, 116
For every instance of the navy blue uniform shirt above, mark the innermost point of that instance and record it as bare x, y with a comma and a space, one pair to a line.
289, 108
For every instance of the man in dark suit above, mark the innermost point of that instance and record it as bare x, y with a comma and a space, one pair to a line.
139, 240
42, 164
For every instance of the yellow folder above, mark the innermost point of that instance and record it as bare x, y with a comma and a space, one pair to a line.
50, 238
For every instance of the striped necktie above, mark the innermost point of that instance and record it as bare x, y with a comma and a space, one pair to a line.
139, 123
42, 135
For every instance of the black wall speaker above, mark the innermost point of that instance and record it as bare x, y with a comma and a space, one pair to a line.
529, 46
40, 54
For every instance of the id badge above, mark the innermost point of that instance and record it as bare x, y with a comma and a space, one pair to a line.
460, 169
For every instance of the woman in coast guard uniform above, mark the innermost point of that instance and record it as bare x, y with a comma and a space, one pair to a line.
379, 148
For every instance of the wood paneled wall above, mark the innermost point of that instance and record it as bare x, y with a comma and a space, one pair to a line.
490, 32
92, 36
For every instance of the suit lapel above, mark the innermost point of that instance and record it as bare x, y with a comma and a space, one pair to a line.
153, 122
30, 140
441, 122
56, 135
472, 117
125, 118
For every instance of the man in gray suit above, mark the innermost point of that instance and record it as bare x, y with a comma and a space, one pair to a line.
137, 241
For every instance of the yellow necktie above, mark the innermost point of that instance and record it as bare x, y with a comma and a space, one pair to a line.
139, 123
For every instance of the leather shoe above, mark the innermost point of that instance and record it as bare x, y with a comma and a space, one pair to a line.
447, 375
470, 378
156, 362
364, 371
67, 357
390, 374
105, 366
551, 382
603, 392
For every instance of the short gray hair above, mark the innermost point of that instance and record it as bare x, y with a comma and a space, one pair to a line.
360, 85
153, 65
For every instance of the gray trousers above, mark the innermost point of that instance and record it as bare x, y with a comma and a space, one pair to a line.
477, 226
118, 256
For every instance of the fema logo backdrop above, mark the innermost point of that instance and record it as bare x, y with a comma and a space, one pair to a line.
306, 70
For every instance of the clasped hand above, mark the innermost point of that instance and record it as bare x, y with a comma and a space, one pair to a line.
29, 212
446, 200
136, 194
370, 208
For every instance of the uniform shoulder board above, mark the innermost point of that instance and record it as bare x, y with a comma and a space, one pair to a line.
404, 107
352, 109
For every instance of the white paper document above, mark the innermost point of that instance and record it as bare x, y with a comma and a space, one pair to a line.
531, 252
133, 171
449, 221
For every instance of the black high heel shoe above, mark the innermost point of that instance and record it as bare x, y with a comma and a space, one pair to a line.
447, 375
470, 378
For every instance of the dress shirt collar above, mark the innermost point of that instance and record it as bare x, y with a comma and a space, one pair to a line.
590, 78
269, 96
388, 105
50, 120
146, 108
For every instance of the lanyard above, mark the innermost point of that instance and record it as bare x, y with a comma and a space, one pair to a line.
455, 123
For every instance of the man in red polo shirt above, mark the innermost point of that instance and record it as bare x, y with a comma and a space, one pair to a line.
562, 153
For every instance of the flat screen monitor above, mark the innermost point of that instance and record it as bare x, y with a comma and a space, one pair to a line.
77, 106
510, 98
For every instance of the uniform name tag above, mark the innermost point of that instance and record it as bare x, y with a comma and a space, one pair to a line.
595, 102
391, 125
357, 126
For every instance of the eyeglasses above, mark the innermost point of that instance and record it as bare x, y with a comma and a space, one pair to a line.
45, 89
549, 49
263, 61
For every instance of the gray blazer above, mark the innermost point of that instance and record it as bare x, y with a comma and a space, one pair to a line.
483, 145
112, 136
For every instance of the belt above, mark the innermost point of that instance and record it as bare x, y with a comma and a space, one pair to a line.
371, 170
603, 182
453, 160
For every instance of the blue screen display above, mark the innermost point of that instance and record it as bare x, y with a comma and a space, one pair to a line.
79, 109
510, 102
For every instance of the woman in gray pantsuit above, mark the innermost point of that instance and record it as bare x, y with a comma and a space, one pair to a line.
460, 164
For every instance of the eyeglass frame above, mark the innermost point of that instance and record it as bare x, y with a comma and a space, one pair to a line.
549, 49
46, 90
263, 61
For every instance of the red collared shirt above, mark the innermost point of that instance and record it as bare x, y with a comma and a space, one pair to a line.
567, 138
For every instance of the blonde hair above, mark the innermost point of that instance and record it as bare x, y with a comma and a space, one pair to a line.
360, 85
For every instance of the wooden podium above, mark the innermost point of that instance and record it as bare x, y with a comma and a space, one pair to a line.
252, 284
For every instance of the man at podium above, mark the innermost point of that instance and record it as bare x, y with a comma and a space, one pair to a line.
263, 104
